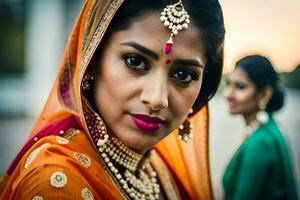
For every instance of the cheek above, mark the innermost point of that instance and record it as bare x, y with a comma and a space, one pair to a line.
183, 100
247, 99
107, 84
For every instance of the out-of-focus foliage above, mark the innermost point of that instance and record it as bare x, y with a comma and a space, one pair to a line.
12, 22
292, 79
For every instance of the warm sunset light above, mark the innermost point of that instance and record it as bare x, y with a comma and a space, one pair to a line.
270, 28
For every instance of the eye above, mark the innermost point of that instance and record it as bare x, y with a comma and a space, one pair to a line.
240, 86
136, 62
185, 76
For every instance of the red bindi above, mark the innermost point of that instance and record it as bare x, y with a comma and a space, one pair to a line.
168, 61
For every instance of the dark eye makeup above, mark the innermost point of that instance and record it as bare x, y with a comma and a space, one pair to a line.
136, 62
185, 75
139, 64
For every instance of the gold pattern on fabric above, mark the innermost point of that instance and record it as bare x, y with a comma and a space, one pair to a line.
58, 179
61, 140
83, 159
167, 182
103, 24
71, 133
87, 194
37, 198
32, 156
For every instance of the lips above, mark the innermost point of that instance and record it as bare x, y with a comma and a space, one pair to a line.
231, 103
147, 123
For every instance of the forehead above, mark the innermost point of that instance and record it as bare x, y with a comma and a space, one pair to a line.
239, 75
149, 31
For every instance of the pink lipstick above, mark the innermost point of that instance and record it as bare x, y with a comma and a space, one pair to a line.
147, 123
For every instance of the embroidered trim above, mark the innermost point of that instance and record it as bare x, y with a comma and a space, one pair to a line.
37, 198
103, 24
61, 140
87, 194
71, 133
83, 159
32, 156
58, 179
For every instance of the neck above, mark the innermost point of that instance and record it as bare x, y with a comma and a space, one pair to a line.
250, 118
135, 150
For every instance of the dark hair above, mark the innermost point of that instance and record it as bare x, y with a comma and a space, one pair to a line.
206, 15
261, 72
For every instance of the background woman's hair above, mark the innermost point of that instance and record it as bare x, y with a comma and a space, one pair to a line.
206, 15
261, 72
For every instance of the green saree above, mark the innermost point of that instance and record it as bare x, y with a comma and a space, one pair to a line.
261, 168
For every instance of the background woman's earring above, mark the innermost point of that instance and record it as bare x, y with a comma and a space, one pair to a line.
185, 131
86, 82
262, 116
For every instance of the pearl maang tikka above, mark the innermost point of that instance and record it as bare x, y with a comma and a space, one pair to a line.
176, 19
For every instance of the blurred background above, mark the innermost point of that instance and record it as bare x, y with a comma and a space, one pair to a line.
33, 34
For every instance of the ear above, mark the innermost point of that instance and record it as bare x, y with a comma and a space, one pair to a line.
266, 94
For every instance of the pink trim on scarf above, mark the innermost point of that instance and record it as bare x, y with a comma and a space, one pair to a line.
53, 129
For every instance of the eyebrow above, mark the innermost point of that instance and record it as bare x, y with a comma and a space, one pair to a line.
188, 62
142, 49
152, 54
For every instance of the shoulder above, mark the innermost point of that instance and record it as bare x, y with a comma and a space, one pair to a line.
55, 167
264, 139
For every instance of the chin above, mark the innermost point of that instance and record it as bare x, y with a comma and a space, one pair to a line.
138, 143
234, 112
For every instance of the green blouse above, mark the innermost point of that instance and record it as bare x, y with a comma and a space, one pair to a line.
261, 168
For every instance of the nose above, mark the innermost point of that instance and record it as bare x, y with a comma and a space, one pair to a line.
155, 92
228, 91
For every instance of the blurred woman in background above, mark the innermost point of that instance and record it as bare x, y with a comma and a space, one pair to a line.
261, 167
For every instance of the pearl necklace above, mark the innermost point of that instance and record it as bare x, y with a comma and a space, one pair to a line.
138, 184
144, 186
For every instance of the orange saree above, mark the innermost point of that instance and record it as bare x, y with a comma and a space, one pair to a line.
59, 160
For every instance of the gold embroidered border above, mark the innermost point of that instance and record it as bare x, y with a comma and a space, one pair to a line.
103, 24
71, 133
167, 182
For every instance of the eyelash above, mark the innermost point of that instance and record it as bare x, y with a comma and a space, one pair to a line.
192, 76
142, 66
240, 86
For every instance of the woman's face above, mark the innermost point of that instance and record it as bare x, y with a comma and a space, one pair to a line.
141, 93
241, 94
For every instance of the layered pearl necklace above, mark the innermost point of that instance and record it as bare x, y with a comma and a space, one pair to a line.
144, 186
138, 184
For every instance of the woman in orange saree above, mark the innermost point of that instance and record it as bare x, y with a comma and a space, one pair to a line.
123, 95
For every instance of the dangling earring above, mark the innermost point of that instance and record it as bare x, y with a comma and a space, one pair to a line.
262, 116
185, 129
86, 82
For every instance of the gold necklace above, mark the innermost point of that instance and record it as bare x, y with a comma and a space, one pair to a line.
143, 186
137, 183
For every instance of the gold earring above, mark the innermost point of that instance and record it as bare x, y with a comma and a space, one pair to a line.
86, 82
185, 131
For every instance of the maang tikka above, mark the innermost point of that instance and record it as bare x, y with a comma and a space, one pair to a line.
176, 19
